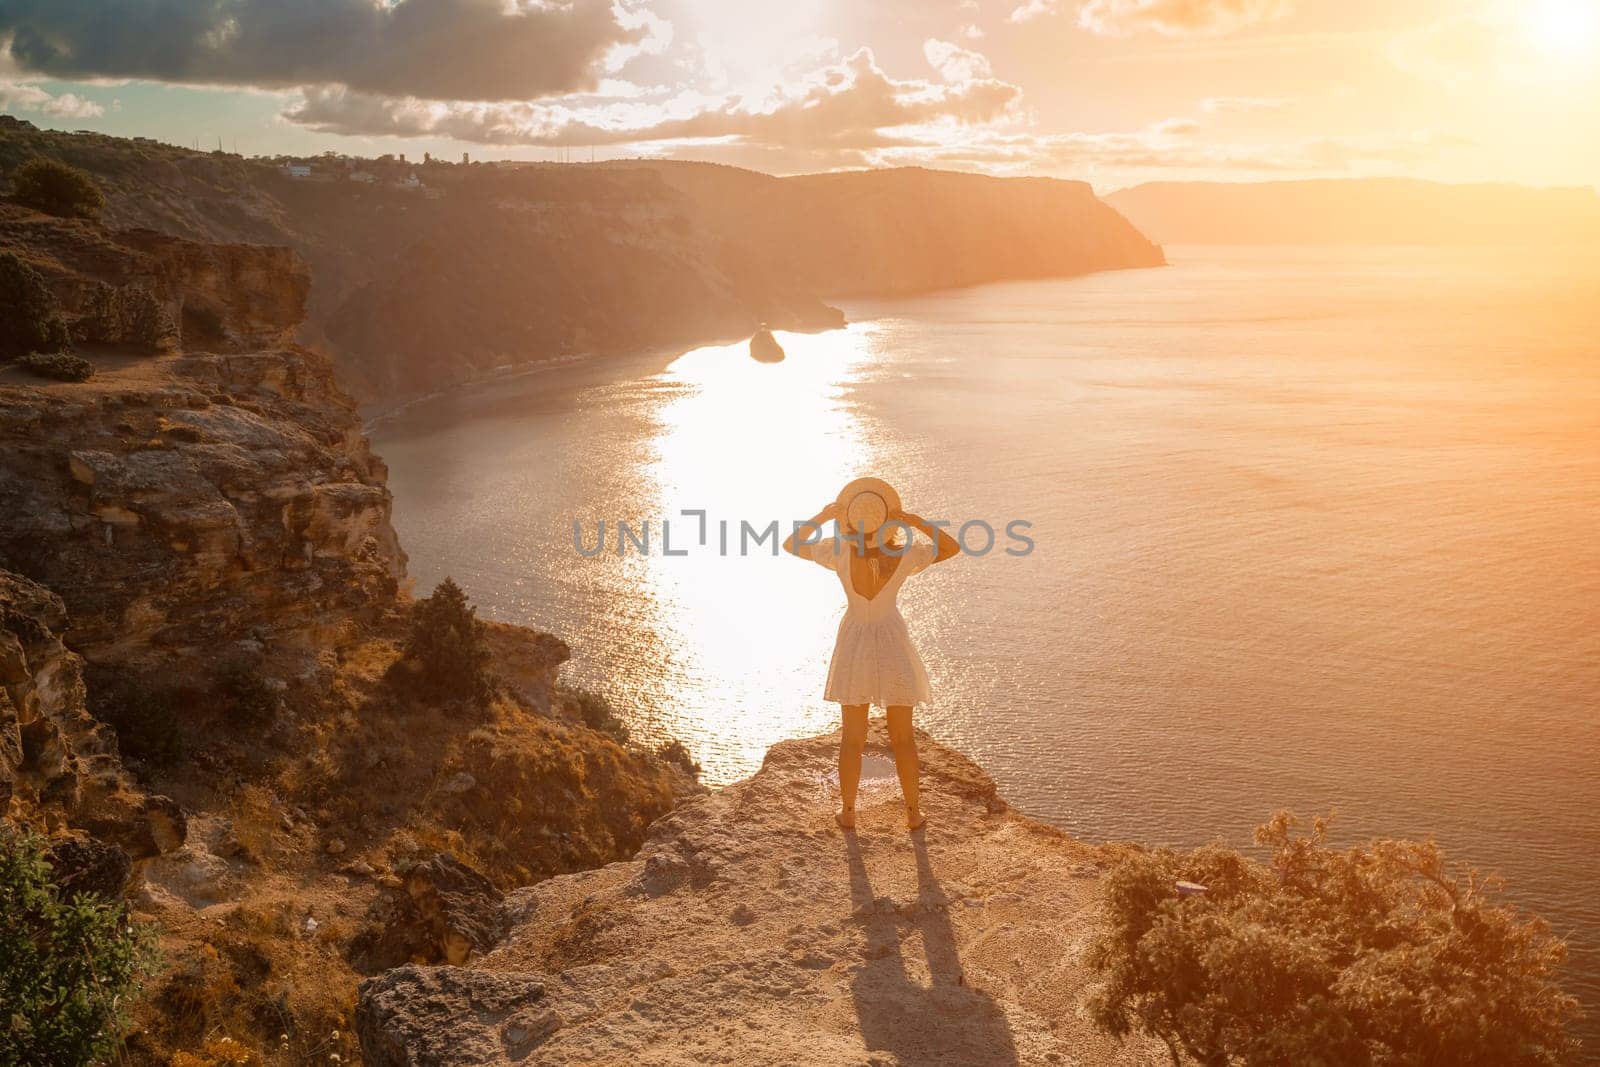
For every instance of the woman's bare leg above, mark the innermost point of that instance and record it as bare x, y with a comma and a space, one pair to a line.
851, 744
904, 742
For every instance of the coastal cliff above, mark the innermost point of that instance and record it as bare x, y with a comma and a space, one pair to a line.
216, 488
426, 275
750, 930
206, 691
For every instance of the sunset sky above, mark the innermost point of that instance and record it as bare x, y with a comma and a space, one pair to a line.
1113, 91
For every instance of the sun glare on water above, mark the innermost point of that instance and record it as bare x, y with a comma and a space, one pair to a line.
751, 442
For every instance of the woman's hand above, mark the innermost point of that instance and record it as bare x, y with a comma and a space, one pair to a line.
946, 545
828, 511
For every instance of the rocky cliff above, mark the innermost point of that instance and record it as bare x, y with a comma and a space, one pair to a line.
484, 266
59, 771
750, 930
204, 698
211, 486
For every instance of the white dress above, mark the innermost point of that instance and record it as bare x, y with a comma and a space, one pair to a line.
874, 661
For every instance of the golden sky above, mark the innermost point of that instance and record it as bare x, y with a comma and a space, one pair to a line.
1112, 91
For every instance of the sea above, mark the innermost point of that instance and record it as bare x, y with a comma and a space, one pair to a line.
1314, 529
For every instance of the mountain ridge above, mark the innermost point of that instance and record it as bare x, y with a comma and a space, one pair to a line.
422, 284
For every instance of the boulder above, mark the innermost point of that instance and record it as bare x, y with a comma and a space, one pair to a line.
414, 1016
85, 865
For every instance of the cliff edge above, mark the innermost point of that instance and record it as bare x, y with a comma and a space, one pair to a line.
751, 930
206, 702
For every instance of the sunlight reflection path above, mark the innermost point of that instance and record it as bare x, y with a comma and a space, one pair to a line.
751, 442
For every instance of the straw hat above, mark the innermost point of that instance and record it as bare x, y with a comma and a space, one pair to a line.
866, 504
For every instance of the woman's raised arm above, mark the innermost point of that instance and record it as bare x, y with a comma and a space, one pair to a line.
947, 546
828, 511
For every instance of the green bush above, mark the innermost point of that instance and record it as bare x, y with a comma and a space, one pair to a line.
58, 365
1373, 955
54, 187
248, 699
30, 320
446, 647
127, 314
68, 968
597, 713
676, 753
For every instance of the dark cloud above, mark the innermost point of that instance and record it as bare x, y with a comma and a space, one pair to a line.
441, 49
851, 104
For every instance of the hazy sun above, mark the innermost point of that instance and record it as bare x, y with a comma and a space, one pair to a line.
1566, 29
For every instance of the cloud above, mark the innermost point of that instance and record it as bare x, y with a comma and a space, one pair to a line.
850, 104
1165, 148
1031, 10
972, 31
954, 63
1176, 18
440, 49
1222, 105
25, 96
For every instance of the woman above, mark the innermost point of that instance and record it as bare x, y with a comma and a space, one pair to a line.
874, 661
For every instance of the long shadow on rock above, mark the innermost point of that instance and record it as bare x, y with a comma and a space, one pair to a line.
944, 1022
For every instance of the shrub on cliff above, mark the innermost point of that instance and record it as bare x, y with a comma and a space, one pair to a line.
148, 719
68, 968
1376, 954
30, 320
247, 698
675, 753
446, 649
54, 187
127, 314
58, 365
596, 712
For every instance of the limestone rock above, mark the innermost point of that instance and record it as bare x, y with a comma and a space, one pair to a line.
447, 912
411, 1017
58, 764
216, 494
751, 930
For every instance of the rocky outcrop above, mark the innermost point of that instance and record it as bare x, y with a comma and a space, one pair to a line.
178, 501
59, 770
157, 293
200, 499
750, 930
445, 912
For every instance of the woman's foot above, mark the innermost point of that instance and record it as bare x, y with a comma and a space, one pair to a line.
915, 820
846, 818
